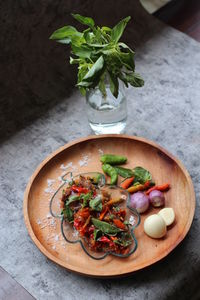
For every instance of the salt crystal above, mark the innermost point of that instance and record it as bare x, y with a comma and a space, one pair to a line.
50, 182
84, 161
43, 226
49, 215
69, 165
38, 221
75, 234
54, 247
48, 190
60, 178
56, 238
132, 220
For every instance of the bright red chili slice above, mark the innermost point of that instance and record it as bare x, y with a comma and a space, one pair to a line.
79, 189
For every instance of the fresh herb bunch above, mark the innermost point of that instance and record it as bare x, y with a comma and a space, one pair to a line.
100, 55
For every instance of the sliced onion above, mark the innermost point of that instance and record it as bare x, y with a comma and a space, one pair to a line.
140, 202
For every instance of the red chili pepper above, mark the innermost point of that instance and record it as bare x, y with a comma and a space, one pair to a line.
77, 223
127, 182
103, 213
161, 188
104, 239
91, 229
84, 213
119, 224
79, 189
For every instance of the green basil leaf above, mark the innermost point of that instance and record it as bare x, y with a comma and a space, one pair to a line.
124, 240
141, 175
65, 41
124, 46
86, 198
84, 20
114, 85
68, 213
118, 30
106, 29
105, 227
95, 70
123, 78
85, 84
127, 60
64, 32
82, 51
72, 198
74, 61
97, 234
134, 79
96, 203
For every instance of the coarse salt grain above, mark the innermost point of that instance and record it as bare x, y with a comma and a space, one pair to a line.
132, 220
69, 165
38, 221
49, 190
56, 238
84, 161
54, 247
50, 182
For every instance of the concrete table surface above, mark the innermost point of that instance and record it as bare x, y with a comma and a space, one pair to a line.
40, 111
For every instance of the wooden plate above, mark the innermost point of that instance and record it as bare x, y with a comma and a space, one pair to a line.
82, 156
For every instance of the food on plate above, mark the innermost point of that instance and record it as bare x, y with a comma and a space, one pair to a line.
162, 188
113, 159
98, 215
124, 172
140, 202
110, 171
155, 227
136, 180
127, 182
157, 198
138, 187
168, 215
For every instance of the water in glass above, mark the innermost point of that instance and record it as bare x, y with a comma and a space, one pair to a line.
106, 114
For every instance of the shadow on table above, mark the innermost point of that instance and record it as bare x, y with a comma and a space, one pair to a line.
35, 74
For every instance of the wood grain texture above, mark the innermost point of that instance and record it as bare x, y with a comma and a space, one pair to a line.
140, 152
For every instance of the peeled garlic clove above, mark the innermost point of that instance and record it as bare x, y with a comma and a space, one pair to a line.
155, 227
168, 215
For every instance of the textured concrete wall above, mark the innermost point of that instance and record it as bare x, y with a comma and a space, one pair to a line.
34, 71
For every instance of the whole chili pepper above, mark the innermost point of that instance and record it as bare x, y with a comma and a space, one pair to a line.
127, 182
138, 187
110, 171
161, 188
79, 189
124, 172
113, 159
119, 224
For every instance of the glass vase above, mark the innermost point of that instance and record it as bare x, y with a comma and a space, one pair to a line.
106, 114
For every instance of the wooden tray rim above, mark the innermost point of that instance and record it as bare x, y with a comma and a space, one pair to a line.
95, 273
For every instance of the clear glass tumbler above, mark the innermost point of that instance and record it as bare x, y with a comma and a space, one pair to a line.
106, 114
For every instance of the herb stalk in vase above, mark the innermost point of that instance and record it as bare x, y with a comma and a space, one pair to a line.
105, 66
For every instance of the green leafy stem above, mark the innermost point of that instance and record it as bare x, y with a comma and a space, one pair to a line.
99, 55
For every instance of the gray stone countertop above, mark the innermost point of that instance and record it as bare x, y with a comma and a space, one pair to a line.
166, 110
